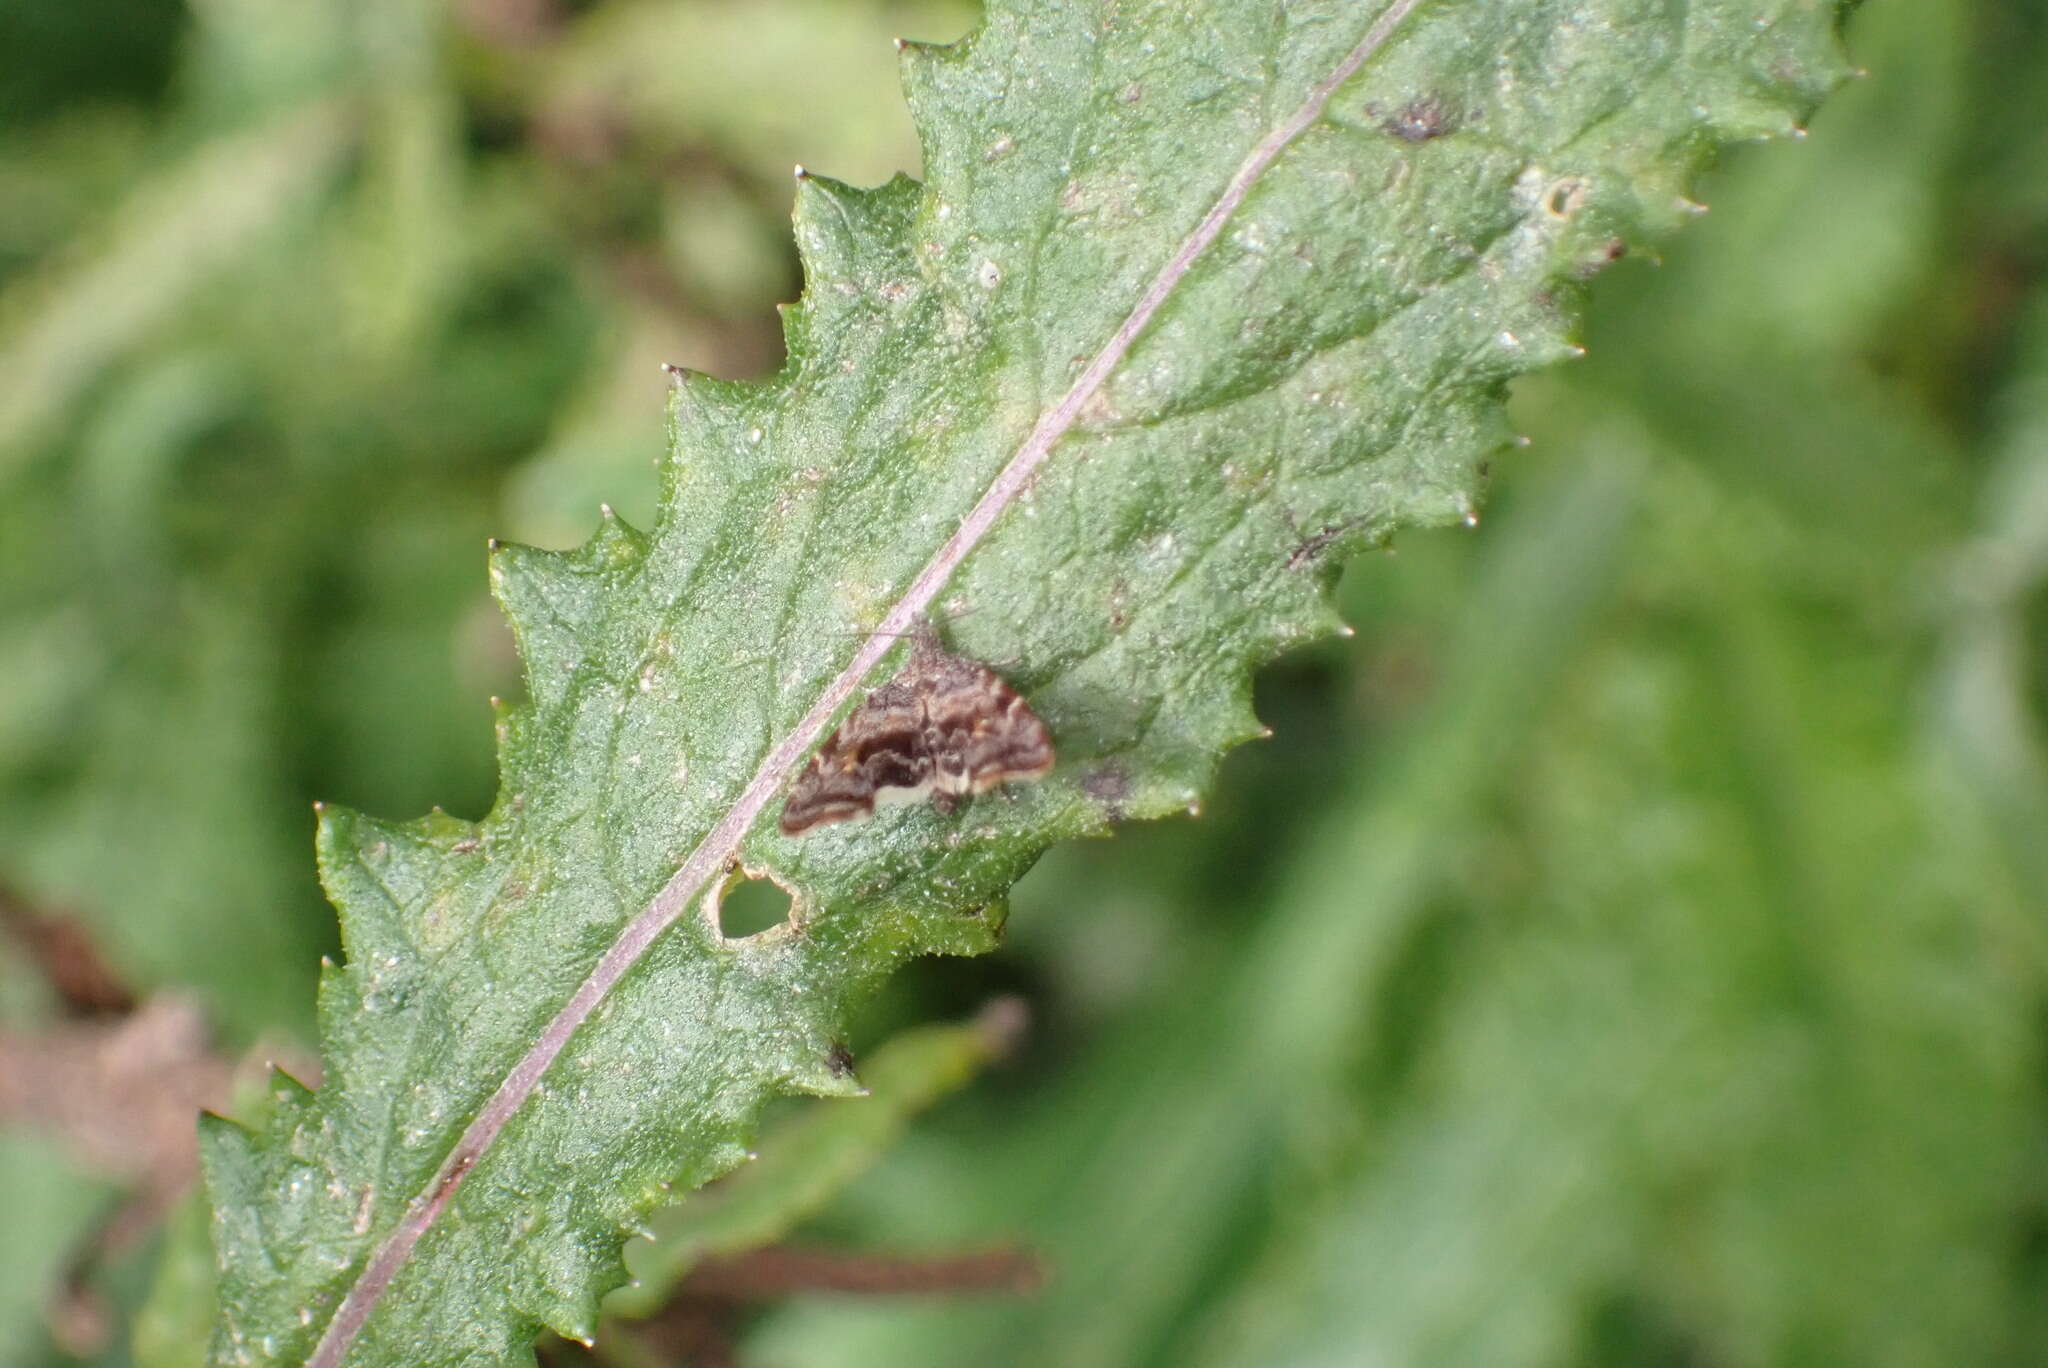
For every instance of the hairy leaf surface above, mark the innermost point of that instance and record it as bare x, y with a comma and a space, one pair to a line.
1329, 369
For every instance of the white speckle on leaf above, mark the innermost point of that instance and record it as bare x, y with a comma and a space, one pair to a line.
989, 274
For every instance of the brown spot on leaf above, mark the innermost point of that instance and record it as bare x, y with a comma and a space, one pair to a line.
1614, 250
1312, 548
1421, 120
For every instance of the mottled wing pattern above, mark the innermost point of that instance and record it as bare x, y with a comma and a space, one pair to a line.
879, 746
945, 725
981, 732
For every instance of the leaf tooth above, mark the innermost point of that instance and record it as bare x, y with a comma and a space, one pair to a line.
616, 545
723, 1157
568, 1303
1538, 342
854, 246
339, 998
552, 601
716, 442
920, 64
233, 1163
1223, 719
1796, 66
829, 1073
1750, 117
287, 1092
848, 224
388, 882
1800, 62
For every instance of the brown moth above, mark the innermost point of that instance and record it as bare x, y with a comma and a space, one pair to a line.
945, 726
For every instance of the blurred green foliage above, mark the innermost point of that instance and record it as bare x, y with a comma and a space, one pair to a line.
1629, 950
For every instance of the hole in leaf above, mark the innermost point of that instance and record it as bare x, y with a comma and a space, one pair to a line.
1565, 197
751, 906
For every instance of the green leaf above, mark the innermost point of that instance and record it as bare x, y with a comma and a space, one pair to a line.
1187, 311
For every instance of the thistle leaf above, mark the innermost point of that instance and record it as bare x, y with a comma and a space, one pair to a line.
1194, 302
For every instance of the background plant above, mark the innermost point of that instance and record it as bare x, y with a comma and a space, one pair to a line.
1692, 952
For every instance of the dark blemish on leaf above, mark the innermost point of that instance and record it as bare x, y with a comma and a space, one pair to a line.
1421, 120
1108, 784
839, 1060
1614, 251
1119, 616
1313, 548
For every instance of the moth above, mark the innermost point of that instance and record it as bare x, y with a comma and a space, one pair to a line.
945, 726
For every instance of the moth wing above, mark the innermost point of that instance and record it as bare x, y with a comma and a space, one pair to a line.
981, 730
878, 747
